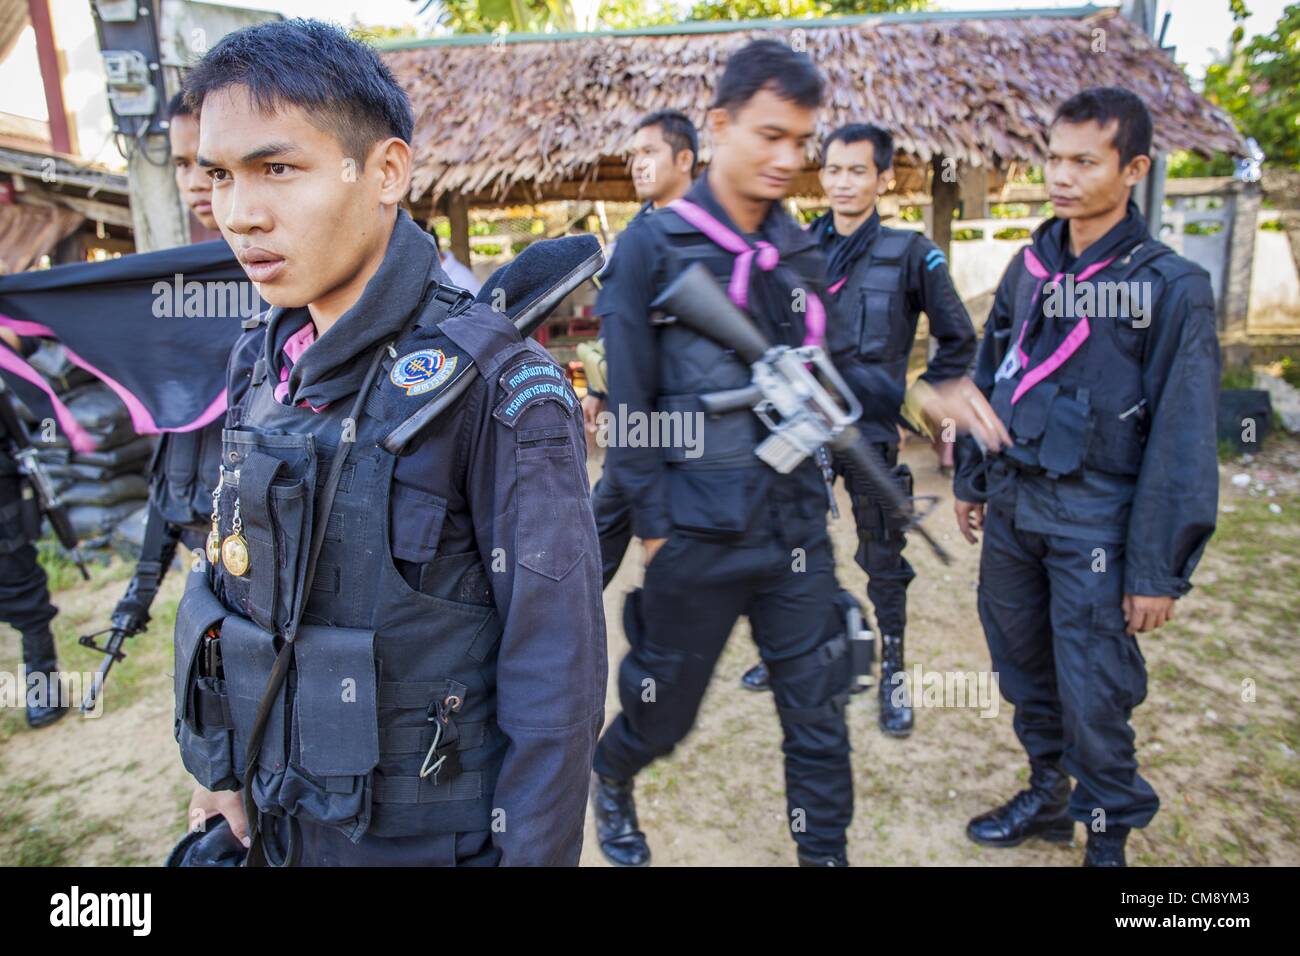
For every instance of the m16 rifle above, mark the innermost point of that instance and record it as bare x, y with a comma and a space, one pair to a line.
801, 413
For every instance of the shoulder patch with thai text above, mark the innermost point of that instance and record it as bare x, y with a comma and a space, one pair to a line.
530, 383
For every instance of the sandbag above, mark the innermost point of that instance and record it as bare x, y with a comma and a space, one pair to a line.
95, 406
113, 435
51, 360
92, 521
128, 536
136, 452
121, 488
67, 473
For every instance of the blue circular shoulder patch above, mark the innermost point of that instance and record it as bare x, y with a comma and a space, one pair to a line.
422, 371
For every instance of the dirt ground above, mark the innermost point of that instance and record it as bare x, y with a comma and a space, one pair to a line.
1217, 735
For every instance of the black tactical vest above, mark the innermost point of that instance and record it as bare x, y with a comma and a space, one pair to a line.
719, 491
386, 724
184, 473
1088, 412
875, 303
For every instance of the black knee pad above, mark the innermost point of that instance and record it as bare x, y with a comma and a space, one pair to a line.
814, 687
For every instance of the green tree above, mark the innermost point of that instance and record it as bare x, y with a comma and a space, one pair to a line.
540, 16
1256, 83
537, 16
797, 9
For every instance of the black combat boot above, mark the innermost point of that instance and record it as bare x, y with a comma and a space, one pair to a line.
895, 718
756, 678
1038, 811
46, 697
616, 824
812, 859
1106, 848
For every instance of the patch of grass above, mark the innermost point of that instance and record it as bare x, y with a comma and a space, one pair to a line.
84, 607
61, 570
55, 839
1291, 371
1238, 376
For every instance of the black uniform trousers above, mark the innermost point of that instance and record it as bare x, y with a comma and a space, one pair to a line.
613, 526
880, 550
24, 594
781, 576
1052, 612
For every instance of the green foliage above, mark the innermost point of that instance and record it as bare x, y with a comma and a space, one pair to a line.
1258, 81
1185, 163
1013, 232
1291, 371
1009, 210
1237, 377
797, 9
963, 235
382, 34
539, 16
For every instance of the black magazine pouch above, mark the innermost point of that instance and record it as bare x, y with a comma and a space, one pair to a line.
202, 721
1069, 429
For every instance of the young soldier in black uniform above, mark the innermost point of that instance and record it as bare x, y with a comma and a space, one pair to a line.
24, 592
411, 649
881, 279
1100, 357
664, 153
723, 532
192, 180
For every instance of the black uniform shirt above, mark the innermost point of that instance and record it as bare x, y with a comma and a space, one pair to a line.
545, 580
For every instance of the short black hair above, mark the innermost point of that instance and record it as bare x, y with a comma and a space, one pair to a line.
336, 79
764, 63
882, 143
177, 106
1102, 104
677, 129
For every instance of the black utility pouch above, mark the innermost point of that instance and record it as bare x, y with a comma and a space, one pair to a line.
276, 514
1069, 429
248, 656
1029, 415
334, 744
728, 437
202, 725
874, 311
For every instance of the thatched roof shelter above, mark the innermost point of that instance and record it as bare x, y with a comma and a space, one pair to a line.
527, 118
